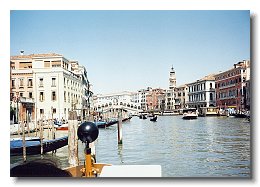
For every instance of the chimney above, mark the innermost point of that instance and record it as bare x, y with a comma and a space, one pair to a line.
22, 52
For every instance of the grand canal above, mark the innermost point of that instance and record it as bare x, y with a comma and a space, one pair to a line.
205, 147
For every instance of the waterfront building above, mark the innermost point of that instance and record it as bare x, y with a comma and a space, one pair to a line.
161, 102
201, 93
247, 95
142, 98
181, 97
233, 87
169, 100
48, 86
152, 99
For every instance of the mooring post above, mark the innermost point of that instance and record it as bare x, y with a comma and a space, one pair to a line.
24, 146
18, 128
119, 128
41, 135
28, 128
73, 139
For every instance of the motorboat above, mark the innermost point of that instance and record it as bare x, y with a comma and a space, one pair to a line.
190, 113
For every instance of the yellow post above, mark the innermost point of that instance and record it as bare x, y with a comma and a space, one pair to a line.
88, 163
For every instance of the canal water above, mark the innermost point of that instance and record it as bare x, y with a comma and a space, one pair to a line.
205, 147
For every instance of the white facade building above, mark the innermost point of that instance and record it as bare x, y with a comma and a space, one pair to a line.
202, 92
169, 100
181, 96
57, 85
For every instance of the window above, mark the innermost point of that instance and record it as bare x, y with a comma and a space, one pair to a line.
210, 96
30, 94
13, 83
23, 65
54, 110
53, 96
41, 96
12, 96
53, 82
12, 65
41, 82
21, 94
46, 64
41, 111
21, 83
64, 96
56, 63
30, 82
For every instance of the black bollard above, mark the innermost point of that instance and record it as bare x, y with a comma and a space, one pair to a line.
87, 133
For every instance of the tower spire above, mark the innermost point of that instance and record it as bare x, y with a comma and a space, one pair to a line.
172, 69
172, 79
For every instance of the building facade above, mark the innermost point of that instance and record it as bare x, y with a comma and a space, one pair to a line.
169, 100
142, 98
154, 99
181, 97
201, 93
232, 87
52, 83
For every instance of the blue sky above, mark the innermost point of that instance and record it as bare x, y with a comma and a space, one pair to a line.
130, 50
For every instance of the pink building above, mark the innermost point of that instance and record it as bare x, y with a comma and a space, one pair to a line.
152, 98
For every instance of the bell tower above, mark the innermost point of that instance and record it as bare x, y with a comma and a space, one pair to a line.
172, 79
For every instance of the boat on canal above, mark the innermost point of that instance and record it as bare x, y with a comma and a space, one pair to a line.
208, 111
154, 118
63, 127
33, 146
104, 124
190, 113
142, 116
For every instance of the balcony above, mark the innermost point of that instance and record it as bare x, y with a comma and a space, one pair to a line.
26, 100
229, 97
227, 86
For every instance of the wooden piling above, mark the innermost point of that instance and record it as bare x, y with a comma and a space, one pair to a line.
41, 136
18, 128
28, 128
119, 128
53, 133
24, 143
48, 129
73, 139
